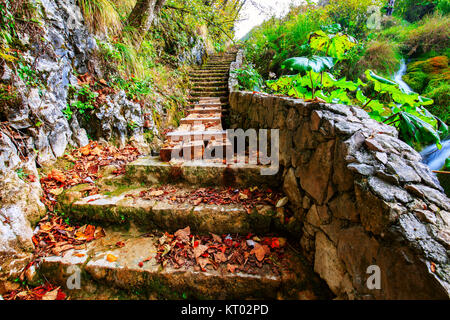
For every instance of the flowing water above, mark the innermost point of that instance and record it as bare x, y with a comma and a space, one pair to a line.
431, 155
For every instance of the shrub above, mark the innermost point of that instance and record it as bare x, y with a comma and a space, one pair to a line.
351, 14
379, 55
278, 39
249, 78
430, 34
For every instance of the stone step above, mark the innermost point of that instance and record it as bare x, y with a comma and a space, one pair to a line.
211, 70
203, 83
197, 135
203, 110
192, 120
206, 74
209, 88
135, 206
151, 170
201, 78
286, 277
209, 94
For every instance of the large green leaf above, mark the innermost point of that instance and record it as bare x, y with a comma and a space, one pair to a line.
315, 63
414, 130
333, 45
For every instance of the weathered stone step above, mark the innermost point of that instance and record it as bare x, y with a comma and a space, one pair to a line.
150, 171
209, 94
209, 88
208, 78
291, 279
192, 120
207, 73
149, 213
200, 110
197, 135
203, 83
217, 67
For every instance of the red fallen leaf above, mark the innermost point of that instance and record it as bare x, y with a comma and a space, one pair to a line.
275, 243
223, 249
31, 178
196, 243
141, 264
120, 244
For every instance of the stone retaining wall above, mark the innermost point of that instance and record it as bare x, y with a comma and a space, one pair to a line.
363, 196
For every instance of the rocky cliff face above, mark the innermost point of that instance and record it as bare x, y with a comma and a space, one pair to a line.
39, 132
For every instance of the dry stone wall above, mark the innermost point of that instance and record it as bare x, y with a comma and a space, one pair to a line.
362, 195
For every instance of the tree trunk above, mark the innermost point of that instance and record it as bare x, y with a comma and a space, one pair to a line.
143, 14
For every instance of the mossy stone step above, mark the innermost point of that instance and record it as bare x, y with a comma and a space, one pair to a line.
294, 280
129, 209
150, 171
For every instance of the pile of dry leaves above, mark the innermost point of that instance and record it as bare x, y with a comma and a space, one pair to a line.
247, 254
87, 162
44, 292
55, 237
248, 198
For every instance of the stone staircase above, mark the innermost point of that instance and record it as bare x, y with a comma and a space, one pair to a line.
201, 132
138, 222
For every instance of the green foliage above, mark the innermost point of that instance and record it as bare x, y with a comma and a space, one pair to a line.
305, 64
22, 174
249, 78
276, 40
135, 88
84, 100
27, 74
335, 45
351, 14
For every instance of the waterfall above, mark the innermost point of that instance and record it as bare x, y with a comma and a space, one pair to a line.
398, 77
431, 155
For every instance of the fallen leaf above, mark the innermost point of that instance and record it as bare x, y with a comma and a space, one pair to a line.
220, 257
111, 258
200, 250
183, 234
260, 251
51, 295
216, 238
202, 262
231, 267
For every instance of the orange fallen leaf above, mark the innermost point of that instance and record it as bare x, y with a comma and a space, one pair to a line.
111, 258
